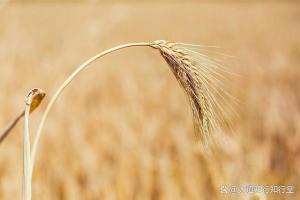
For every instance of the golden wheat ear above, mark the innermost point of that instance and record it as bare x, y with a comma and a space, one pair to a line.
195, 71
38, 96
198, 75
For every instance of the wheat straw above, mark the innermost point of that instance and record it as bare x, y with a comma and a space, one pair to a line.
10, 126
62, 87
33, 100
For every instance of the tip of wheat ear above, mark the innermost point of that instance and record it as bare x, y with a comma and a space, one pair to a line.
34, 98
194, 77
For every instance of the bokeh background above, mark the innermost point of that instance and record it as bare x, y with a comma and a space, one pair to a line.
123, 129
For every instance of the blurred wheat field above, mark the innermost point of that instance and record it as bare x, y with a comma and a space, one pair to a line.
123, 129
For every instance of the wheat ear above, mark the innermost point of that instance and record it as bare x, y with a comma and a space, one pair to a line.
202, 77
195, 72
187, 73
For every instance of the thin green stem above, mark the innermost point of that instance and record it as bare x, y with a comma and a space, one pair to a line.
61, 88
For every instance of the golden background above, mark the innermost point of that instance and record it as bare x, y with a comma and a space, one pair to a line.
123, 129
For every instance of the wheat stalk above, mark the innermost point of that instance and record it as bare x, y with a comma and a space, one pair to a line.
195, 71
33, 100
4, 133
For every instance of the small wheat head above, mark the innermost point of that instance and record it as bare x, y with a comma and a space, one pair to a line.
34, 98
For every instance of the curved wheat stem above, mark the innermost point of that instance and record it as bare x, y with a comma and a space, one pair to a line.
67, 82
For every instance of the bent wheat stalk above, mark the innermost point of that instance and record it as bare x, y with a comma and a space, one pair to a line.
194, 70
36, 102
33, 100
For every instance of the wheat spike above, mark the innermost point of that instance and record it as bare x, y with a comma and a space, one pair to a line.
195, 71
196, 78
